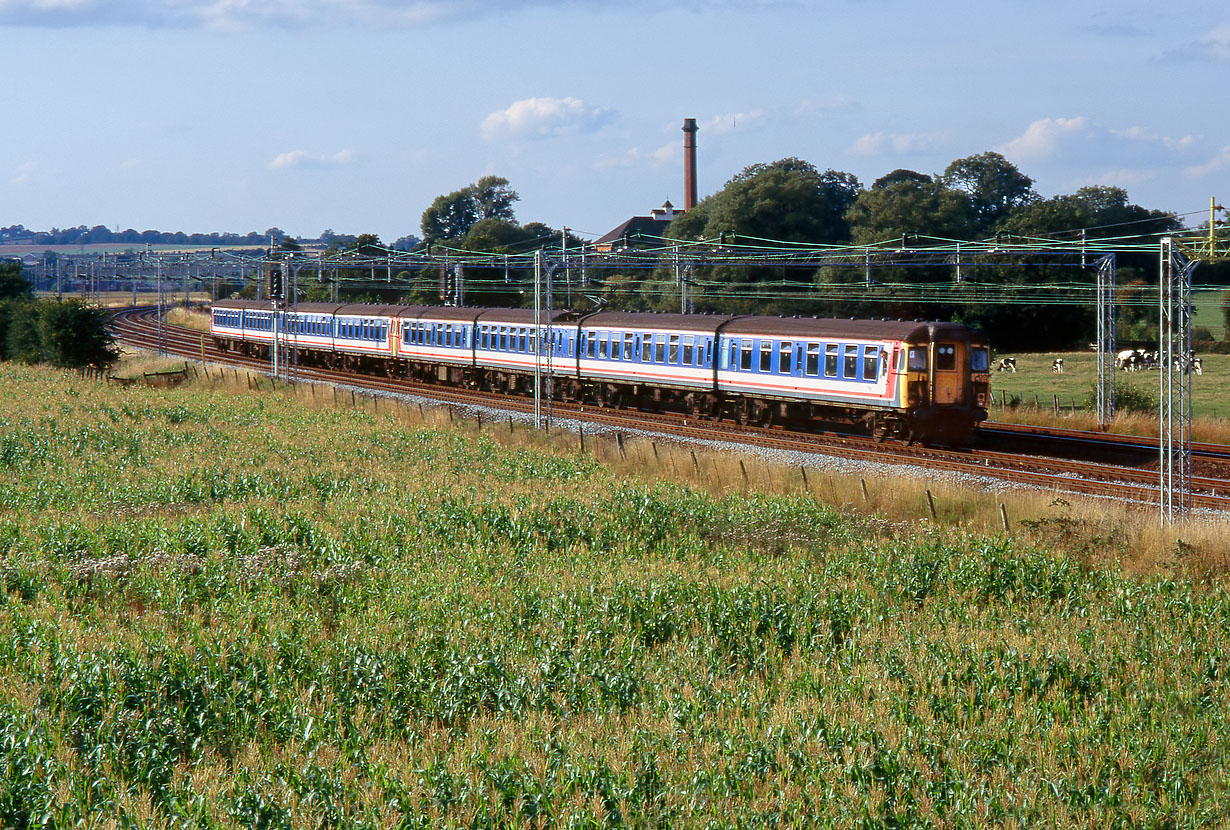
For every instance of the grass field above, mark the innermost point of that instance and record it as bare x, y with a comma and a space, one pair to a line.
231, 609
1036, 388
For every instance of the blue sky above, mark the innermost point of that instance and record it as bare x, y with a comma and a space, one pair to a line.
238, 115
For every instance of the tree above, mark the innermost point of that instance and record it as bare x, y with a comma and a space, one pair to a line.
73, 335
787, 200
905, 203
452, 215
12, 284
493, 198
994, 186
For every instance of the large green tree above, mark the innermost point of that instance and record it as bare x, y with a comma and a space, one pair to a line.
451, 215
13, 285
994, 187
788, 200
906, 204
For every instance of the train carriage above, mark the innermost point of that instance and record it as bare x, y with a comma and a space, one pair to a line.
506, 349
365, 335
310, 329
913, 380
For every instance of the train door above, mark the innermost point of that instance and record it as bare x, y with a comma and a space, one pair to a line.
948, 382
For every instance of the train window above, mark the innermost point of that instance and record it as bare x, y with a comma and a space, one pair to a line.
646, 348
689, 358
871, 362
945, 357
602, 339
830, 360
785, 358
917, 361
745, 355
980, 359
812, 365
849, 367
629, 346
659, 348
672, 352
766, 356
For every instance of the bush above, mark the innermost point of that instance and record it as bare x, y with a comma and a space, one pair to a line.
67, 334
1128, 398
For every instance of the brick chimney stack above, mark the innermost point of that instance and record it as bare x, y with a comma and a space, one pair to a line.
689, 163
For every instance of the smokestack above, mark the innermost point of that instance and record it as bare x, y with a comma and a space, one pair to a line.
689, 163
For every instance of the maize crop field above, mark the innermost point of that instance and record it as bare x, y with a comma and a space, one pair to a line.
231, 609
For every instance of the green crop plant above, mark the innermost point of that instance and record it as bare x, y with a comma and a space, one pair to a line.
223, 610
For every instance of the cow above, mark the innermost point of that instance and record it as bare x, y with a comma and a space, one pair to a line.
1189, 363
1006, 364
1057, 366
1129, 360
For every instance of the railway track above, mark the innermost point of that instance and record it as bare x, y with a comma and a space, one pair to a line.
1071, 461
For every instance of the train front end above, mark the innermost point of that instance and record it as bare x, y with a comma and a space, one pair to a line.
948, 384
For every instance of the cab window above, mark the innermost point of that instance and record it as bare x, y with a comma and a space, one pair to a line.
945, 357
980, 360
917, 359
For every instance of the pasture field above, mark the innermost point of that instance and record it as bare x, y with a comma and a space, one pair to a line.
223, 608
1035, 386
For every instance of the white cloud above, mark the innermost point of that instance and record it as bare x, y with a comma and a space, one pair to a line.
303, 160
834, 105
880, 143
1046, 137
26, 173
732, 122
1218, 164
1214, 46
1082, 142
543, 118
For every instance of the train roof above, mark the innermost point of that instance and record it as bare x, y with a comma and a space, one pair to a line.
746, 325
524, 316
367, 310
913, 331
707, 323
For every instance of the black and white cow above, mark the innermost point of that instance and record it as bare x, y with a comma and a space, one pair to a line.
1006, 364
1057, 365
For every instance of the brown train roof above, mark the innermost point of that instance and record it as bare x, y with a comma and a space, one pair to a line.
843, 328
523, 316
749, 325
673, 322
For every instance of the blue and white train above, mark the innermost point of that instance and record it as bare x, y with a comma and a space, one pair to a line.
926, 381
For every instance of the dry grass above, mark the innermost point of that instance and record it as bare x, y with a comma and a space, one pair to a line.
190, 318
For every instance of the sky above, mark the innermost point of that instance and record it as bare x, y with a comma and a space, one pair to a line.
353, 115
